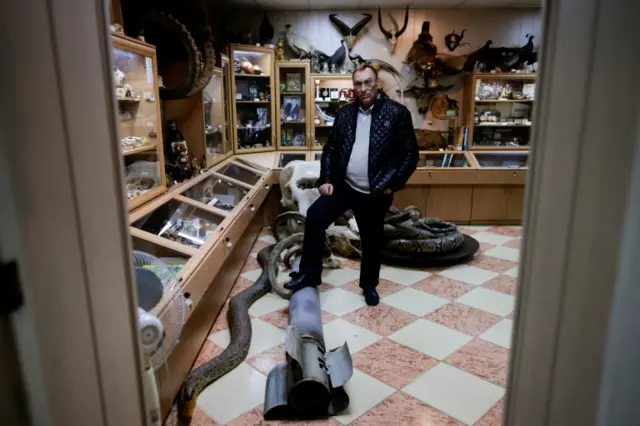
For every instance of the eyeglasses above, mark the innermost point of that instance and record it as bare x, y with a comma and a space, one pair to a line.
361, 85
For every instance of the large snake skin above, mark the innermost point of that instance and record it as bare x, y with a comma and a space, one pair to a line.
406, 231
234, 354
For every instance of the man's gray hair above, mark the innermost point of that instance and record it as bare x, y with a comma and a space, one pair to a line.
364, 67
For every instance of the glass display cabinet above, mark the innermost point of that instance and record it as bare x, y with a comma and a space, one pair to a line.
252, 97
287, 157
502, 160
214, 120
498, 110
317, 156
330, 92
292, 104
136, 87
448, 159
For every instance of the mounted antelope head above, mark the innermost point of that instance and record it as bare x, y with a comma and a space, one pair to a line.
392, 37
349, 34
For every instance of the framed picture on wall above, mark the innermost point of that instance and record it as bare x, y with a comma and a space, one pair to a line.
294, 82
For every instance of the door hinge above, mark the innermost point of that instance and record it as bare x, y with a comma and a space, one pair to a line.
11, 298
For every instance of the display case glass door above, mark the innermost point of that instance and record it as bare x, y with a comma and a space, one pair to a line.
226, 88
287, 157
444, 160
292, 103
217, 192
134, 75
331, 91
502, 160
216, 140
240, 173
252, 97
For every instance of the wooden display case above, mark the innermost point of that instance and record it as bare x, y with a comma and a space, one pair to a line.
498, 109
325, 100
217, 146
293, 131
252, 99
195, 228
136, 79
226, 99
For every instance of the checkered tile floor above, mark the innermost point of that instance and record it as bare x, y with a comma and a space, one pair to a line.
433, 352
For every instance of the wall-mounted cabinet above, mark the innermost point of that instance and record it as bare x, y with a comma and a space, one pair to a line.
498, 110
252, 88
135, 75
330, 92
292, 105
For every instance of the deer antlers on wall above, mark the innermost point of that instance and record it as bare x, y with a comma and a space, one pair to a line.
349, 33
391, 35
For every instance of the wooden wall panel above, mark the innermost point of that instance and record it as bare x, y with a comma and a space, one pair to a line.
489, 203
515, 203
451, 203
412, 196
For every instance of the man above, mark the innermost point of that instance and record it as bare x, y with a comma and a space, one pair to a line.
371, 153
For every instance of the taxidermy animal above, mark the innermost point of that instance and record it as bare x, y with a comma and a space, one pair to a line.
527, 55
266, 31
299, 45
378, 64
392, 36
423, 52
350, 33
452, 40
339, 56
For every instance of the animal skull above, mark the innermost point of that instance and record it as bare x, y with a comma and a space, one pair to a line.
392, 36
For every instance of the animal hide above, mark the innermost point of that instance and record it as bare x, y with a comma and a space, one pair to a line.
430, 140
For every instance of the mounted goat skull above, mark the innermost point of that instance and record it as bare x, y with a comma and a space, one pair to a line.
391, 36
349, 34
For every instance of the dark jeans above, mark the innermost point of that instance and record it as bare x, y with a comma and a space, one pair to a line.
369, 213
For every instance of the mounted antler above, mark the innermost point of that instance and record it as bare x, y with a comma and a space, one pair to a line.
393, 37
349, 33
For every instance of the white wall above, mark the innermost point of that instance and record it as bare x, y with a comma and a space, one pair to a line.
503, 27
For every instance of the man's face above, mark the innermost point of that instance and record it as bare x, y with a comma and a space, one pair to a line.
365, 84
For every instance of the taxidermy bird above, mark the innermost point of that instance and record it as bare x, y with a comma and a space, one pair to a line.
452, 40
299, 45
339, 56
350, 33
392, 36
266, 31
423, 52
527, 55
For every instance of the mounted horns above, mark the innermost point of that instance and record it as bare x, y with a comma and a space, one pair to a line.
393, 37
350, 33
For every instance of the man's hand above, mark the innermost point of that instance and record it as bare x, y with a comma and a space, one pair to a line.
388, 192
326, 189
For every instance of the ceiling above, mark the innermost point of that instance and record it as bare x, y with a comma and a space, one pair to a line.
387, 4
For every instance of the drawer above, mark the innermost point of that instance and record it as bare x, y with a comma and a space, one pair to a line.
200, 280
504, 177
436, 176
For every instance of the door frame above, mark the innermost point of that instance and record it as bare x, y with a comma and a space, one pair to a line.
577, 213
63, 216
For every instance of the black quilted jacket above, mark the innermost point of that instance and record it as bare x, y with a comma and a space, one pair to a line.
393, 148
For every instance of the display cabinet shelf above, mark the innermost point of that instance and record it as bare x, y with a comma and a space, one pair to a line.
498, 109
252, 98
292, 104
136, 73
330, 92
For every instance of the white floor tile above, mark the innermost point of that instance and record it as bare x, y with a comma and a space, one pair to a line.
364, 392
403, 276
252, 275
263, 336
339, 277
491, 238
254, 254
513, 272
478, 228
414, 301
268, 239
455, 392
488, 300
266, 304
339, 331
500, 334
469, 274
340, 302
433, 339
505, 253
233, 394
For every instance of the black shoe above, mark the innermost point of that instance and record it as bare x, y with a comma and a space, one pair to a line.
371, 296
300, 281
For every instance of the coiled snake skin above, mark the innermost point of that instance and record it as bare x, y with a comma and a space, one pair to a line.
234, 354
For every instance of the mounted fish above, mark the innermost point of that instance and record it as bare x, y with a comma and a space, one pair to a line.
452, 40
392, 36
266, 31
349, 34
423, 52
